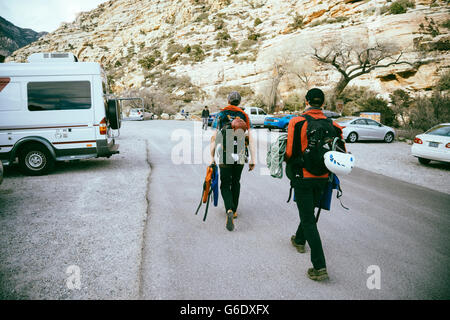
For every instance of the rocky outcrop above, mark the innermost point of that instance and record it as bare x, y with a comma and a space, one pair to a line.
232, 43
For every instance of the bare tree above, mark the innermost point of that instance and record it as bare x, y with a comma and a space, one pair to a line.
278, 71
352, 61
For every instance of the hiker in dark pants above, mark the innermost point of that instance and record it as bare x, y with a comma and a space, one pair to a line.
231, 149
205, 117
308, 187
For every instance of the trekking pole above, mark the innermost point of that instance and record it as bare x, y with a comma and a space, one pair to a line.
318, 214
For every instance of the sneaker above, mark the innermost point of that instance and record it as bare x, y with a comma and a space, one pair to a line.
230, 224
318, 275
300, 247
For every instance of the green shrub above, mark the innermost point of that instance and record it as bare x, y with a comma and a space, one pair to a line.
400, 6
444, 82
428, 112
197, 54
243, 91
294, 102
253, 35
147, 62
297, 22
257, 22
359, 99
446, 24
118, 64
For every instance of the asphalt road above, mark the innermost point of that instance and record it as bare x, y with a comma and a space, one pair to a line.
129, 224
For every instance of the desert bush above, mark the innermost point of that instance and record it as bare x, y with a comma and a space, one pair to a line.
446, 24
253, 35
197, 54
244, 91
444, 82
147, 62
401, 6
257, 22
430, 111
294, 102
359, 99
400, 103
297, 22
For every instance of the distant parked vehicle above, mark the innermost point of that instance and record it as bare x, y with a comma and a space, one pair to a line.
256, 115
331, 114
433, 144
136, 114
54, 109
358, 129
280, 121
212, 118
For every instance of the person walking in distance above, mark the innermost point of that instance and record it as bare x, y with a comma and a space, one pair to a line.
308, 174
205, 117
229, 140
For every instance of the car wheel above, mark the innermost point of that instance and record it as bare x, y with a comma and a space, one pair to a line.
270, 129
352, 137
389, 137
35, 160
424, 161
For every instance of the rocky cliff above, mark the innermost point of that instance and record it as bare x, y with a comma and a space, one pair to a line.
13, 38
196, 50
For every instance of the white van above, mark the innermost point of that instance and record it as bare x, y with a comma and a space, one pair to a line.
54, 108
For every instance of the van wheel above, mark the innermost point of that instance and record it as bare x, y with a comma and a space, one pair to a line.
35, 160
424, 161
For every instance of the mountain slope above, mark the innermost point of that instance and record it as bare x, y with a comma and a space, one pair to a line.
13, 38
194, 51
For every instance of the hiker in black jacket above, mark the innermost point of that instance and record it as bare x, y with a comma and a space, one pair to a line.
205, 117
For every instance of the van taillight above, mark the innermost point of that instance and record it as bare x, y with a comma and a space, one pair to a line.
417, 140
103, 128
447, 145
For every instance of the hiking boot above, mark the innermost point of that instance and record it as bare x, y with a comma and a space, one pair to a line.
317, 275
230, 224
235, 215
300, 247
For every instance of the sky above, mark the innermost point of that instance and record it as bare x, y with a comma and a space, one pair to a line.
44, 15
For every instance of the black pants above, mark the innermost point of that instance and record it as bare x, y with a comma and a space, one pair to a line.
230, 185
307, 193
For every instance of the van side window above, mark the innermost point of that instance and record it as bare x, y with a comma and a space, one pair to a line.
253, 111
67, 95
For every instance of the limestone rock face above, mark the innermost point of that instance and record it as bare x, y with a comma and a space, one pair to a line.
226, 43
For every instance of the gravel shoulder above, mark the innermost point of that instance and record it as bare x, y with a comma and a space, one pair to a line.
88, 214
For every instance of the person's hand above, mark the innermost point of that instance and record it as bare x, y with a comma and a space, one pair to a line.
251, 166
213, 162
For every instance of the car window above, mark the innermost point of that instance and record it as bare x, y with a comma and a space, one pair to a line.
371, 122
440, 130
261, 111
360, 121
253, 111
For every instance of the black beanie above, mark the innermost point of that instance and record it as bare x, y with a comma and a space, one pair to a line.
315, 98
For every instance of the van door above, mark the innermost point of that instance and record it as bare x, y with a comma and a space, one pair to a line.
63, 109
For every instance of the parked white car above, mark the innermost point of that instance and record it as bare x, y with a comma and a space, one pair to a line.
257, 116
433, 144
55, 108
136, 114
357, 128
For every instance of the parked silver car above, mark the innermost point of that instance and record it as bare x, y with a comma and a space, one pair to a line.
357, 128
